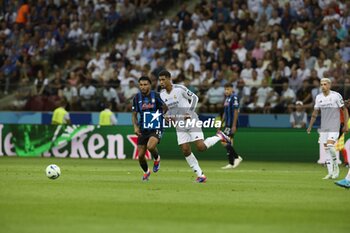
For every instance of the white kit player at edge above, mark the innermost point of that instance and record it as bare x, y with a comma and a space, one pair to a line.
329, 103
182, 103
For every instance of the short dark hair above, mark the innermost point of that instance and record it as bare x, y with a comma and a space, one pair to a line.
145, 78
164, 73
228, 85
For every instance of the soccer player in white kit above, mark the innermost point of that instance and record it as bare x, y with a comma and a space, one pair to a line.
345, 182
181, 104
329, 103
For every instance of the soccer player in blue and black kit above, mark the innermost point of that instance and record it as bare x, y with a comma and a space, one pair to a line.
230, 117
147, 101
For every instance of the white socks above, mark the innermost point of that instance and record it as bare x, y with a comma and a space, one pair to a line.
193, 162
329, 165
334, 162
211, 141
329, 161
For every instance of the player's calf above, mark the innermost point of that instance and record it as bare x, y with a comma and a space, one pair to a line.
200, 145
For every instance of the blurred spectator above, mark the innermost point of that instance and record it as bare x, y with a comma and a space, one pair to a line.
143, 9
295, 80
87, 94
304, 95
22, 95
130, 91
303, 72
73, 79
96, 66
286, 99
316, 89
214, 99
247, 72
40, 83
107, 72
55, 86
275, 19
23, 14
344, 51
111, 96
127, 10
76, 33
70, 93
254, 81
309, 60
278, 81
248, 101
263, 98
298, 118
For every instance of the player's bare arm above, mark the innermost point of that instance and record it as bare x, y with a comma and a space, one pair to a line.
312, 120
234, 123
135, 124
222, 122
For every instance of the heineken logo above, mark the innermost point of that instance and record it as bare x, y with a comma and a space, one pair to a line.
63, 141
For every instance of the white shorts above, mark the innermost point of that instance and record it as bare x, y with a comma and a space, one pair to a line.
189, 136
325, 136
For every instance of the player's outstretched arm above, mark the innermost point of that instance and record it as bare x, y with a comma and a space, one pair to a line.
194, 102
312, 120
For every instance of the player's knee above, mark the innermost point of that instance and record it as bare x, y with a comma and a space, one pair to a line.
186, 152
151, 147
201, 147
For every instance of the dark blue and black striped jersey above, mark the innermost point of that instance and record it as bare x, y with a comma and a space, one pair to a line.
147, 103
231, 103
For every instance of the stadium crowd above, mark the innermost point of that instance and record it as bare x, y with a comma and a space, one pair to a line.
37, 36
274, 52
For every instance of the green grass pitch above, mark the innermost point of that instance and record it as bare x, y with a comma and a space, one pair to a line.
108, 196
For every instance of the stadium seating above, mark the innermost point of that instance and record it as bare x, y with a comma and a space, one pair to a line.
272, 51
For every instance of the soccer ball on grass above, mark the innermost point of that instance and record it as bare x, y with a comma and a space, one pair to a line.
53, 171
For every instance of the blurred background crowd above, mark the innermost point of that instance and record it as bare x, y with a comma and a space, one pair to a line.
274, 52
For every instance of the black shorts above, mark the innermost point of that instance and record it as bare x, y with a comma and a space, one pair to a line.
145, 135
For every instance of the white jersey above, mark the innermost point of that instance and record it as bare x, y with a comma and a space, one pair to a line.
178, 97
330, 112
180, 101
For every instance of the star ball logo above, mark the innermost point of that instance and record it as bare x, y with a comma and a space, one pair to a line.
152, 120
